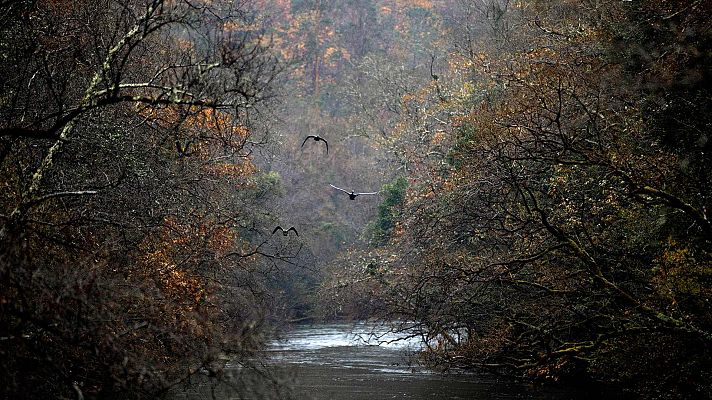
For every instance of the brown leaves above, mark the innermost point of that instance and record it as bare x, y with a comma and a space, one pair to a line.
171, 258
195, 121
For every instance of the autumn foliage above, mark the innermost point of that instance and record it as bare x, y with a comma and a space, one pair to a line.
542, 167
556, 222
126, 180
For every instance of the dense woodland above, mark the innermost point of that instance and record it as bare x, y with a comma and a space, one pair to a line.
542, 167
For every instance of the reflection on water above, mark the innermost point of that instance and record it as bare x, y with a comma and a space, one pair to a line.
365, 361
361, 361
310, 337
347, 347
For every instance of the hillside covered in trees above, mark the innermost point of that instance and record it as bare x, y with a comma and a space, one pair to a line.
542, 169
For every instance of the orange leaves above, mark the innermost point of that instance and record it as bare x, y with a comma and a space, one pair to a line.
171, 256
222, 239
205, 134
161, 265
195, 121
174, 282
333, 54
438, 137
233, 171
214, 121
240, 131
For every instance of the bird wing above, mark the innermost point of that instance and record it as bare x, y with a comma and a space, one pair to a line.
366, 193
278, 228
327, 145
338, 188
293, 229
307, 138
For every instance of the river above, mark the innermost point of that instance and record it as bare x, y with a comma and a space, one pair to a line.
363, 361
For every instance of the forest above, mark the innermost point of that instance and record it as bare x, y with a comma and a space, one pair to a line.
527, 187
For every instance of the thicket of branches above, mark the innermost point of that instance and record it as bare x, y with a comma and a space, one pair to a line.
556, 224
551, 218
129, 203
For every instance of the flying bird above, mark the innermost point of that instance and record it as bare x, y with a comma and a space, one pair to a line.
352, 194
317, 138
285, 233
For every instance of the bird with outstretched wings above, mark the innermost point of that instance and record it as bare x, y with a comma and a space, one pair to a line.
352, 194
317, 138
285, 232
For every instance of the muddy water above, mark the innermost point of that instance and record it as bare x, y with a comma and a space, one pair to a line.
361, 361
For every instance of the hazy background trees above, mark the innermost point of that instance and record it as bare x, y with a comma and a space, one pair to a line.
542, 166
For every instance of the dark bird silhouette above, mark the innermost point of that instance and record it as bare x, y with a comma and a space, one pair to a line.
352, 194
285, 233
317, 138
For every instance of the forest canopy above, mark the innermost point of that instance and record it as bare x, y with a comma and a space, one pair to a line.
126, 263
537, 171
556, 222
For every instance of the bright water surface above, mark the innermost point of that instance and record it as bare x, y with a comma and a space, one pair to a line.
363, 361
345, 362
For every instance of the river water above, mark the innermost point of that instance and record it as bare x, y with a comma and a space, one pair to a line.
364, 361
